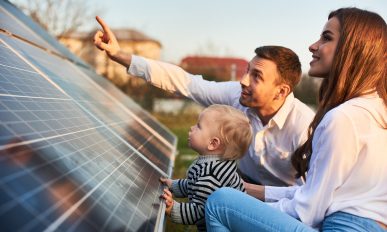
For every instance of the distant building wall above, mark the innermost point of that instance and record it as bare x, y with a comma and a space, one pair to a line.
131, 41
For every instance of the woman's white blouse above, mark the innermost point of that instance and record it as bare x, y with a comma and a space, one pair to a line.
348, 167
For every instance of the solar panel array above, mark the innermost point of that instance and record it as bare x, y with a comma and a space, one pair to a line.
76, 154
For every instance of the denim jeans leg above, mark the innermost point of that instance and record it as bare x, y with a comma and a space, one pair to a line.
345, 222
231, 210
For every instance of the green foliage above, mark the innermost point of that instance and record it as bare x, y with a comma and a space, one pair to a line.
180, 126
307, 90
144, 94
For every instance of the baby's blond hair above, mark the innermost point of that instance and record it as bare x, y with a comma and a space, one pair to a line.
234, 128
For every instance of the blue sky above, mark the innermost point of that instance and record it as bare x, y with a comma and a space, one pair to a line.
227, 27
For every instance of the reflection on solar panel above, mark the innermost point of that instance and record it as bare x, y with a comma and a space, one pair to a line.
76, 154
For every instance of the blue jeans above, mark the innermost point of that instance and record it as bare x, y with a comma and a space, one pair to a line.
230, 210
343, 222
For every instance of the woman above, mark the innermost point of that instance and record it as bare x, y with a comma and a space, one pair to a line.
344, 156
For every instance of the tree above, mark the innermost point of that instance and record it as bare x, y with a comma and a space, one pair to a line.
58, 17
307, 90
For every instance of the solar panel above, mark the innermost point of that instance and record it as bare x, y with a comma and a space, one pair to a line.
15, 22
75, 153
11, 24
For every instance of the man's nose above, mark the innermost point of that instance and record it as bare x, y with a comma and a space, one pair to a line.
245, 80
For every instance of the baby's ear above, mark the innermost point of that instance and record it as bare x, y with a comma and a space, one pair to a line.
214, 144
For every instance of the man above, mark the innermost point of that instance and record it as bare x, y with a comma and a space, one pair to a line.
279, 120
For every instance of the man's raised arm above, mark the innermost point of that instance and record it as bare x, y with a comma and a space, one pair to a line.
168, 77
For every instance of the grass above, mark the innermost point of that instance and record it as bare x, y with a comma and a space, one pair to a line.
180, 125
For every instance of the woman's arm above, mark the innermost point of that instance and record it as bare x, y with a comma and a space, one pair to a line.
335, 151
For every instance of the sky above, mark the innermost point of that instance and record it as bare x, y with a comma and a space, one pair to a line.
226, 27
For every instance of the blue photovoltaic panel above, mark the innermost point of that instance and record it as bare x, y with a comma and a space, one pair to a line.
120, 96
91, 179
83, 90
74, 156
14, 21
18, 78
12, 25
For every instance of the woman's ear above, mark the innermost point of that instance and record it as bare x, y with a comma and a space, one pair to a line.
214, 144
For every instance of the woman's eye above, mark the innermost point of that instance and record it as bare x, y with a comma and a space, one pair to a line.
326, 38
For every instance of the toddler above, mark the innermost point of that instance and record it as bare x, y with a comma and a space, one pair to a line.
221, 136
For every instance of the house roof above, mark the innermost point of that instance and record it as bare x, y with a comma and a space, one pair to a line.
131, 34
208, 60
217, 62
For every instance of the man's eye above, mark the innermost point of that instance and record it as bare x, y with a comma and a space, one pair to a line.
256, 76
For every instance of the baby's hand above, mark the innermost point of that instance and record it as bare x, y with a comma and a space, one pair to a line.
167, 195
166, 181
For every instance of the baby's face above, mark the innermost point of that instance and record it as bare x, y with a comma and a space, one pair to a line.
200, 134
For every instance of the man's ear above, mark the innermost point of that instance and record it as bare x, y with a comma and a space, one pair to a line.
283, 91
214, 144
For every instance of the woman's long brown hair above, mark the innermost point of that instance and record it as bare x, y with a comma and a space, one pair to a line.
358, 68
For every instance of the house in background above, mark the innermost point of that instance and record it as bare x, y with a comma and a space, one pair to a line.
215, 68
131, 41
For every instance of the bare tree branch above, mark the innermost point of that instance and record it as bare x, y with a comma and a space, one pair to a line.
59, 17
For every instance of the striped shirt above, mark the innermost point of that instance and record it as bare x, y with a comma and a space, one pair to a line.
204, 176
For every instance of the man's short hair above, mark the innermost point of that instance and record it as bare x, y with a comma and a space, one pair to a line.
288, 64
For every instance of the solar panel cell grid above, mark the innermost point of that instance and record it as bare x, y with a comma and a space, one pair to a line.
11, 24
79, 87
129, 103
115, 179
17, 78
72, 156
15, 22
36, 118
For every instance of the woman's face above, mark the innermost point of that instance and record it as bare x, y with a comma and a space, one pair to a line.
323, 50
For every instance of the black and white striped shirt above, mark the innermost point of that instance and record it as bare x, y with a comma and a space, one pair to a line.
204, 176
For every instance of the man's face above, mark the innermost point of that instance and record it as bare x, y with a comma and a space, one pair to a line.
259, 84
